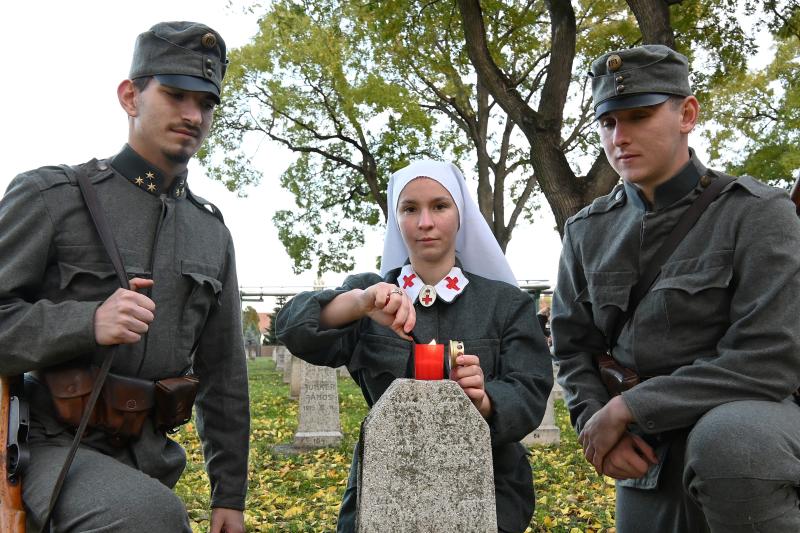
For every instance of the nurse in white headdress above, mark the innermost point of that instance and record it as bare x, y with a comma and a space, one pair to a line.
443, 276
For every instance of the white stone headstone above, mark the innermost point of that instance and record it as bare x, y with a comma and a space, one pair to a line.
426, 463
287, 367
280, 357
297, 375
547, 432
318, 423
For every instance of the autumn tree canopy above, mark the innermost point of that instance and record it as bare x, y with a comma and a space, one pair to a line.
358, 89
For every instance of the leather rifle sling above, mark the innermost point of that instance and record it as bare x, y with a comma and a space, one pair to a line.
653, 269
110, 245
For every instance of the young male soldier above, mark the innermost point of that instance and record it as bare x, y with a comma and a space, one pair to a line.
59, 306
710, 438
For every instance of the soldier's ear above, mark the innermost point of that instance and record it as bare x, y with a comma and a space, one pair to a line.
690, 111
126, 93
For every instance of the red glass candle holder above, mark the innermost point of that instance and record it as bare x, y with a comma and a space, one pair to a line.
429, 361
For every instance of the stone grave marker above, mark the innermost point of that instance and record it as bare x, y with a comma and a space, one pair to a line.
426, 463
547, 432
318, 420
287, 366
296, 377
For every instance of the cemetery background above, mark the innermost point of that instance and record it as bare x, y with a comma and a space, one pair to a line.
301, 493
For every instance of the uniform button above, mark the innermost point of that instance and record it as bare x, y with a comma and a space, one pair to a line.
71, 389
101, 165
619, 195
209, 62
620, 79
130, 404
650, 424
705, 181
209, 73
620, 88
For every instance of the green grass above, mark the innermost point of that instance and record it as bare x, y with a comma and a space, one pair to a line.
301, 493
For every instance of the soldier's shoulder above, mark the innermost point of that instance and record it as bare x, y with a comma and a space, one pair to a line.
205, 206
601, 206
756, 188
51, 176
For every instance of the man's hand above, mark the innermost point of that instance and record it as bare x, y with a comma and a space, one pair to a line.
629, 459
469, 376
125, 315
604, 430
225, 520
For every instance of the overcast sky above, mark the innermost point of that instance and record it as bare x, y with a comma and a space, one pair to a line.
63, 62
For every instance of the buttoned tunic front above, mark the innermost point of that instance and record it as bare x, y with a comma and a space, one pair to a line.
56, 273
496, 321
720, 324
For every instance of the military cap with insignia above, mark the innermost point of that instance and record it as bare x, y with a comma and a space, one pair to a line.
641, 76
181, 54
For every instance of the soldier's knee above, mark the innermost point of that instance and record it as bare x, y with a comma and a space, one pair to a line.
724, 441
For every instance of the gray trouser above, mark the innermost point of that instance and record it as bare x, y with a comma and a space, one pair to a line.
738, 470
101, 493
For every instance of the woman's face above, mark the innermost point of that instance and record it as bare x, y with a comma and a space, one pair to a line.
428, 219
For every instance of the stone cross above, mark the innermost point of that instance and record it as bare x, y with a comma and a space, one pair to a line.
426, 462
318, 425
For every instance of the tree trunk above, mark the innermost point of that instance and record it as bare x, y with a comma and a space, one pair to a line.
653, 19
564, 191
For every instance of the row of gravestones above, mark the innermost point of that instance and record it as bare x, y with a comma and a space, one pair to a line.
434, 476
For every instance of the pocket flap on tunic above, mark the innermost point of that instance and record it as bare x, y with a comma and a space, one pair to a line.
608, 289
68, 272
718, 277
380, 354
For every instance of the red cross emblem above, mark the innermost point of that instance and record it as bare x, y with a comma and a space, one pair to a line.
427, 296
452, 283
408, 281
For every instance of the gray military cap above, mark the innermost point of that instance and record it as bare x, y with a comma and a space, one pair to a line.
641, 76
181, 54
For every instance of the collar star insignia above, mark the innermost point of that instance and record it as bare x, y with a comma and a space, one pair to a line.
150, 175
151, 187
138, 180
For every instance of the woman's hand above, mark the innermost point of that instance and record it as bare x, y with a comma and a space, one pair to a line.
388, 305
469, 376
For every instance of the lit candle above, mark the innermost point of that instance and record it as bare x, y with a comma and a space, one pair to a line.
429, 361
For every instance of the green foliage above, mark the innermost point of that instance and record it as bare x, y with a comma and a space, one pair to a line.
357, 89
249, 318
756, 111
302, 493
272, 336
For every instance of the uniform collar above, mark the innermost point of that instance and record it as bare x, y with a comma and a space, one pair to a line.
447, 289
670, 191
145, 175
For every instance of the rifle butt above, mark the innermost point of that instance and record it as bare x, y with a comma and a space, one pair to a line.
12, 512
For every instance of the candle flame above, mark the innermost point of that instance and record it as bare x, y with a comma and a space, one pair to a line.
432, 342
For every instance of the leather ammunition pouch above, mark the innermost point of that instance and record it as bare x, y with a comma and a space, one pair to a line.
70, 388
174, 401
124, 403
616, 377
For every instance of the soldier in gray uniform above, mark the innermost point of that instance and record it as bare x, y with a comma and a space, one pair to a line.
60, 301
709, 440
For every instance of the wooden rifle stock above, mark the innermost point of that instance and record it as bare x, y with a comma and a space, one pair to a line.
12, 513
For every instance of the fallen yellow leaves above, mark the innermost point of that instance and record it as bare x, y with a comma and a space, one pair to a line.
302, 493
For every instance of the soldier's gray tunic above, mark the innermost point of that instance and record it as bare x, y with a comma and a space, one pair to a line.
54, 275
721, 324
496, 321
